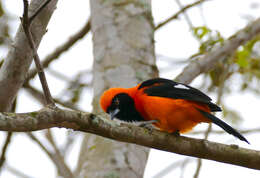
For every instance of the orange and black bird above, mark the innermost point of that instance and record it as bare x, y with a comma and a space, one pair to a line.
170, 106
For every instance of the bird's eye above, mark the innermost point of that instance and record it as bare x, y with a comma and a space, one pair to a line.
116, 101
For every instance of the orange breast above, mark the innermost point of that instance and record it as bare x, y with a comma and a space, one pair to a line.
173, 114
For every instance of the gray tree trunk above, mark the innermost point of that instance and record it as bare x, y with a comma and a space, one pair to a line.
123, 56
19, 57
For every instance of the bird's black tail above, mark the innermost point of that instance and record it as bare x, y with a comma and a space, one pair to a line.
223, 125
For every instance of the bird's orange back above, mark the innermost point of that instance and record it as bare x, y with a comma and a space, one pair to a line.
173, 114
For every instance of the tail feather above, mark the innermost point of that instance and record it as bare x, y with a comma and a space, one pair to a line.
223, 125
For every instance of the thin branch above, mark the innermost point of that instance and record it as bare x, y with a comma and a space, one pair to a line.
88, 122
172, 166
246, 131
196, 175
4, 149
187, 18
32, 17
26, 26
70, 140
19, 58
59, 75
62, 167
209, 129
16, 172
183, 167
175, 16
61, 152
7, 140
208, 61
36, 140
49, 137
61, 49
40, 97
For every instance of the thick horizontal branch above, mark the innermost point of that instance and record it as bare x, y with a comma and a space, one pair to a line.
88, 122
208, 62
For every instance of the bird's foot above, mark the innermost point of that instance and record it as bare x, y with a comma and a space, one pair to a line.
147, 124
176, 133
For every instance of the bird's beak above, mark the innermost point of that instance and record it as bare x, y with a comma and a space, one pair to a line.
113, 113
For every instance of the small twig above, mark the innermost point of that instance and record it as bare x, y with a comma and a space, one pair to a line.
209, 129
199, 163
62, 167
175, 16
57, 154
70, 139
40, 97
199, 160
49, 137
183, 166
61, 49
4, 149
39, 143
16, 172
26, 26
247, 131
59, 75
187, 18
7, 140
169, 168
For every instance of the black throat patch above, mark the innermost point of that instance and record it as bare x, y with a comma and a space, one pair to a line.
127, 111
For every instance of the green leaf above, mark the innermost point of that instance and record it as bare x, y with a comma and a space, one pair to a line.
242, 58
201, 31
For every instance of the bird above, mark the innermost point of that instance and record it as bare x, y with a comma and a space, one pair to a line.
169, 106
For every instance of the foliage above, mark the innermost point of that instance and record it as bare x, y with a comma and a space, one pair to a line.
244, 63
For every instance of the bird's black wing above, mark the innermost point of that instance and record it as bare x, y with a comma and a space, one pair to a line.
170, 89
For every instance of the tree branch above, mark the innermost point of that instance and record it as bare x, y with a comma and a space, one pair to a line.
26, 23
16, 172
40, 97
61, 49
88, 122
207, 62
4, 149
62, 167
170, 168
14, 69
186, 16
175, 16
247, 131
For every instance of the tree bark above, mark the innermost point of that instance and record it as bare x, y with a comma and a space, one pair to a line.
19, 58
99, 125
219, 53
123, 56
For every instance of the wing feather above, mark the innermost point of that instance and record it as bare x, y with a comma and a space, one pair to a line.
171, 89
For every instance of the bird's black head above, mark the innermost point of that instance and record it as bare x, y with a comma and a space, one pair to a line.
123, 108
